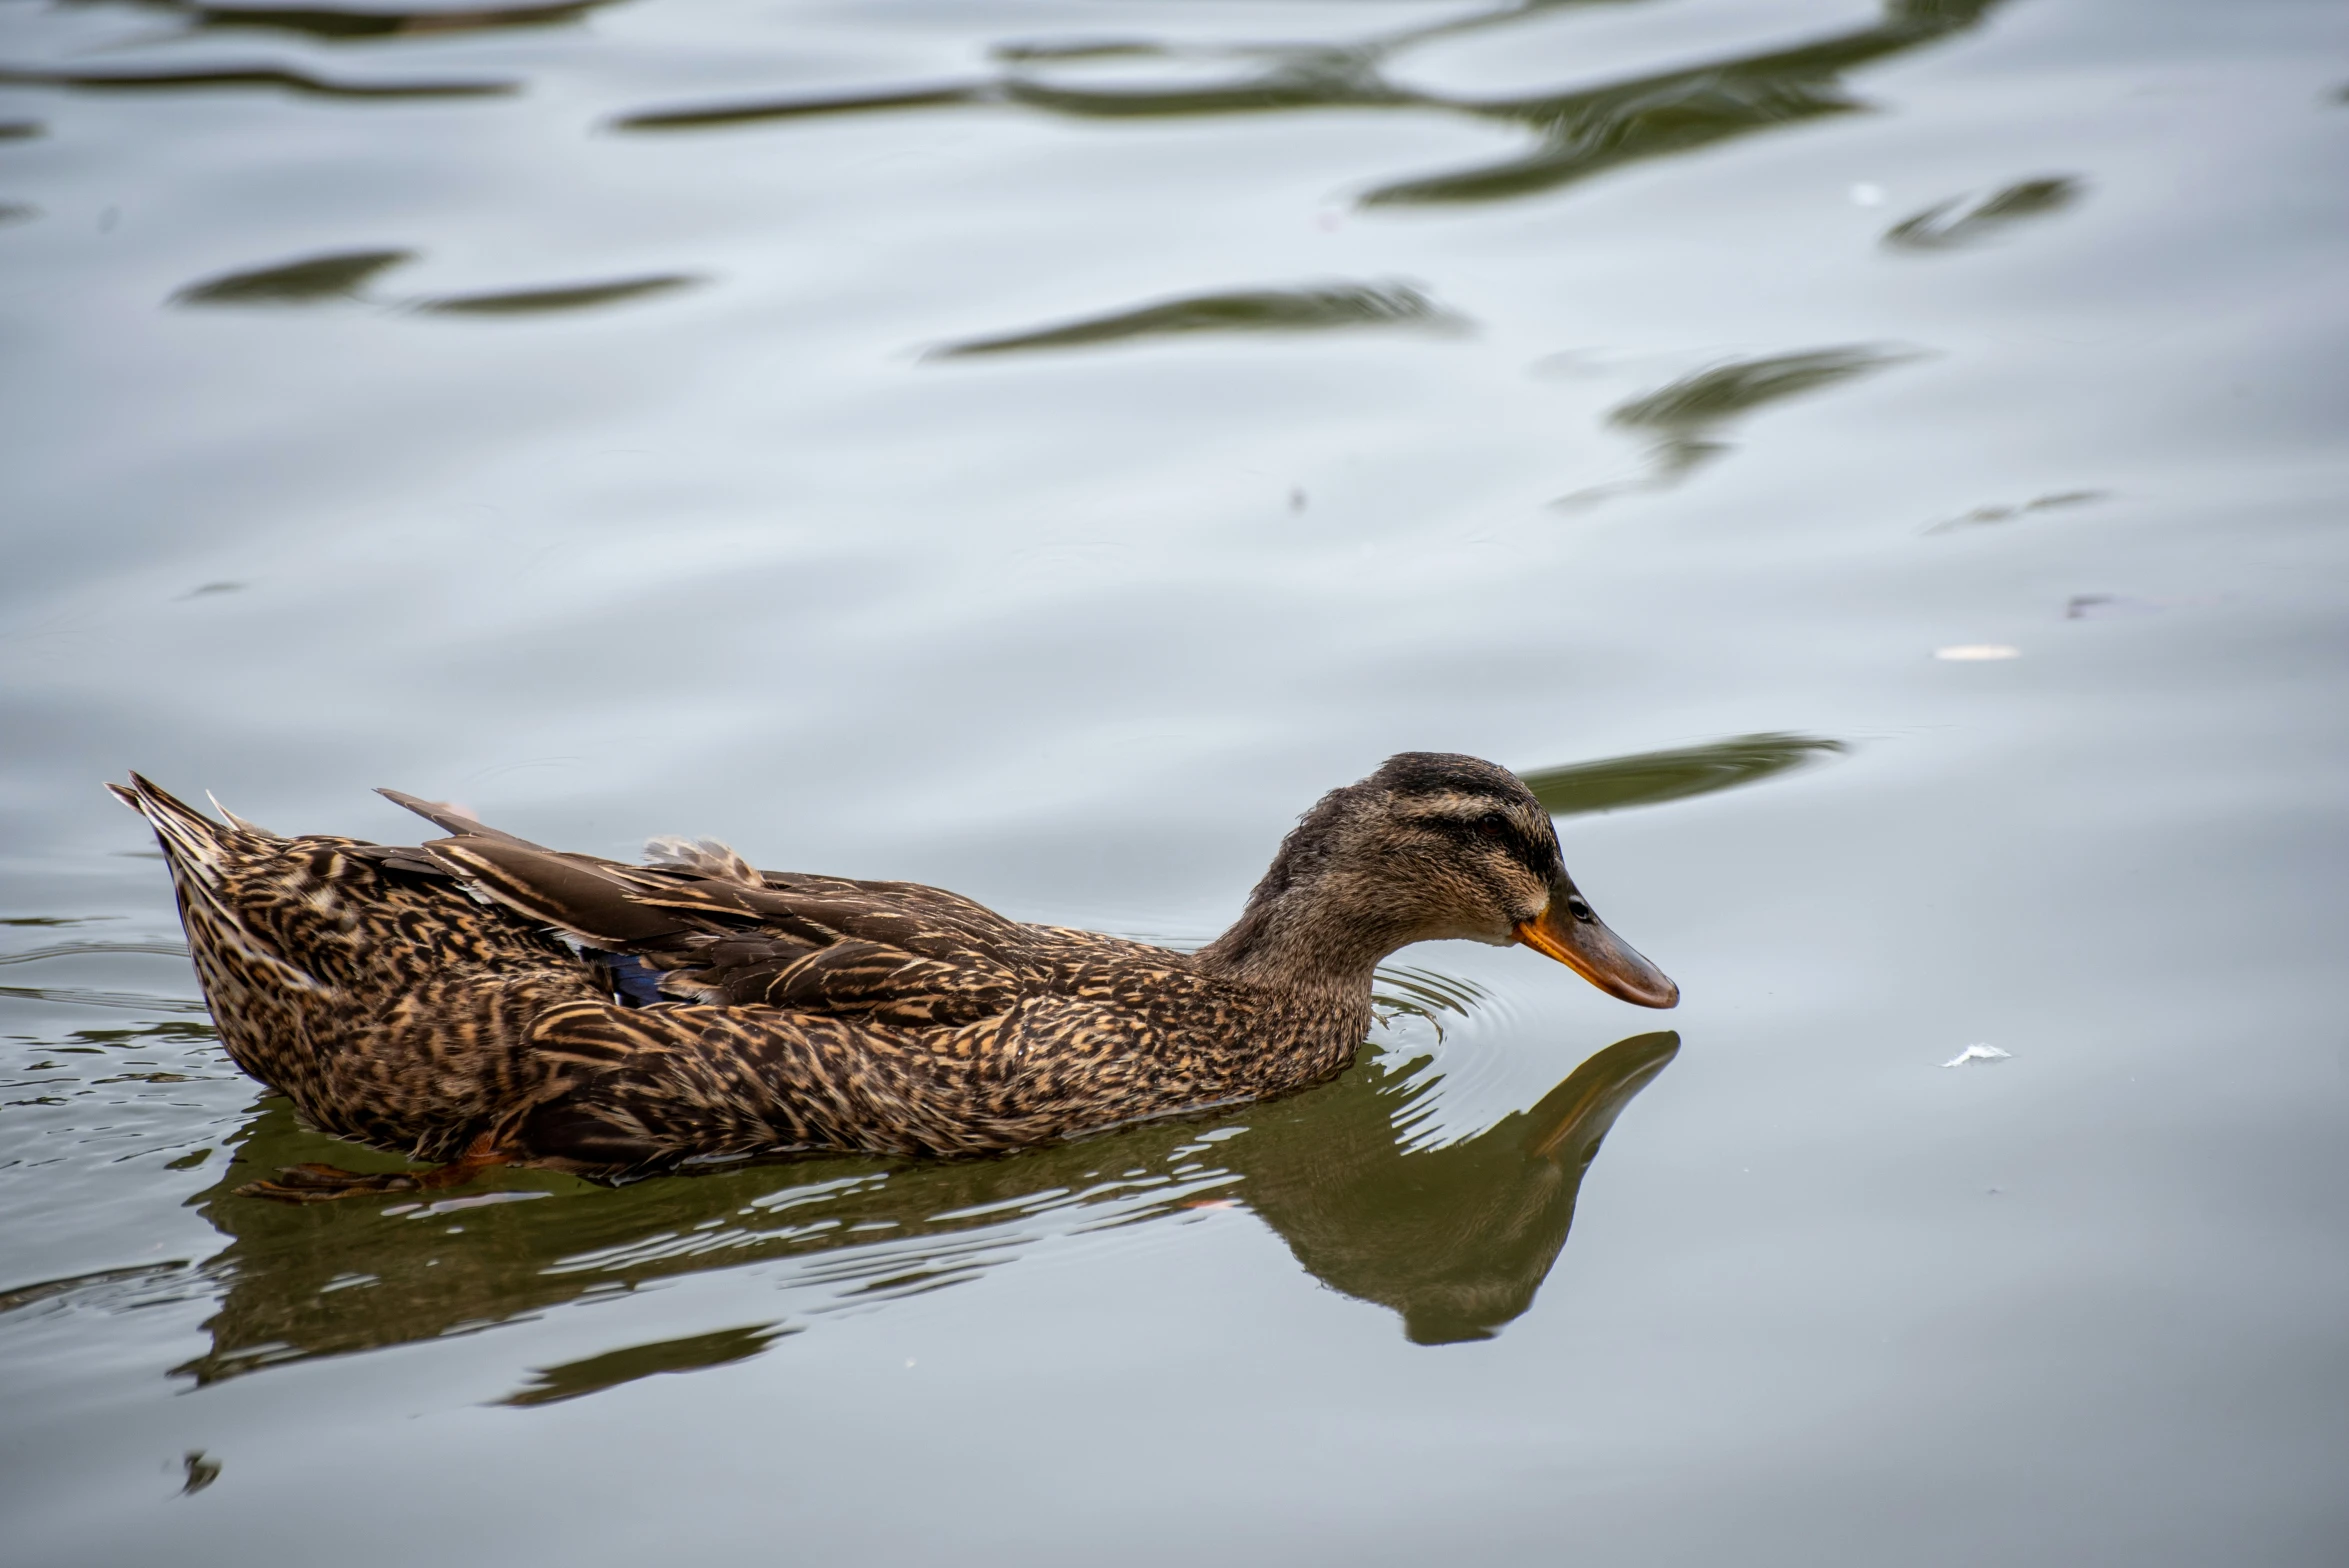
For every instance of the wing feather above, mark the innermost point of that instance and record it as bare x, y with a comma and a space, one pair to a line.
882, 952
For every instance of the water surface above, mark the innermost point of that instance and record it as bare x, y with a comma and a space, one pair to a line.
1876, 469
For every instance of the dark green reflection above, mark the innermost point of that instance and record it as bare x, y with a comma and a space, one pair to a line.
1255, 310
344, 275
1083, 49
1455, 1239
1571, 135
20, 130
1651, 778
332, 25
1585, 133
539, 302
1953, 224
798, 108
101, 1286
248, 76
693, 1353
306, 282
1686, 417
202, 1471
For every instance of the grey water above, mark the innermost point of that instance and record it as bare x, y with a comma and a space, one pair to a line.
1879, 468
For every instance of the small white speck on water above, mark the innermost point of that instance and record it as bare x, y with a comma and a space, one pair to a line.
1977, 652
1978, 1052
909, 1361
1865, 194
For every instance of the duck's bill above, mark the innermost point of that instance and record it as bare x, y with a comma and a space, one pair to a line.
1598, 955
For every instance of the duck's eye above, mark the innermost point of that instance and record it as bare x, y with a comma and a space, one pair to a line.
1491, 827
1580, 910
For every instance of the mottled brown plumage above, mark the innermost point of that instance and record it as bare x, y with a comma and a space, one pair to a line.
483, 1000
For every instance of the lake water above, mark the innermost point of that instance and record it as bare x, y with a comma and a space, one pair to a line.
1882, 468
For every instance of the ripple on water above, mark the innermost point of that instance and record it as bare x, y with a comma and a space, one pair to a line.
1963, 221
1572, 135
359, 24
345, 276
339, 275
284, 78
1322, 1169
610, 1369
1311, 309
1655, 778
562, 297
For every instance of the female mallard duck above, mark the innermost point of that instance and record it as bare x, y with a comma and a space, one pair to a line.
483, 1001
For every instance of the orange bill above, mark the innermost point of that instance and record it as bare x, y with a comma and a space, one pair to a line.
1585, 945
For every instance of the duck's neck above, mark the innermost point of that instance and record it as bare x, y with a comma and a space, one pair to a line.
1311, 939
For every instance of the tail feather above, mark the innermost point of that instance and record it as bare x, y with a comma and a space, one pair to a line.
204, 857
240, 824
197, 847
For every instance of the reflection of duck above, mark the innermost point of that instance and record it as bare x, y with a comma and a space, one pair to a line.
420, 1000
1456, 1239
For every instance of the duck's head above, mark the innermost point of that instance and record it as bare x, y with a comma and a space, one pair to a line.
1431, 846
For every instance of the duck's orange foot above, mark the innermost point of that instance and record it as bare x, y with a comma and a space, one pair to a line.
313, 1183
324, 1183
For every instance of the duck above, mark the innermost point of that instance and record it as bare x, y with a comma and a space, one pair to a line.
481, 1001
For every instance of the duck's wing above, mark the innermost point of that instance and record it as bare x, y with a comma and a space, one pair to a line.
715, 931
417, 861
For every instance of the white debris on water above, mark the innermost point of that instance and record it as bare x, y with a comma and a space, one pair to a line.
1978, 1053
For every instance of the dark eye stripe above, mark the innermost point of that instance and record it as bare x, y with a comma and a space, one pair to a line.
1496, 828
